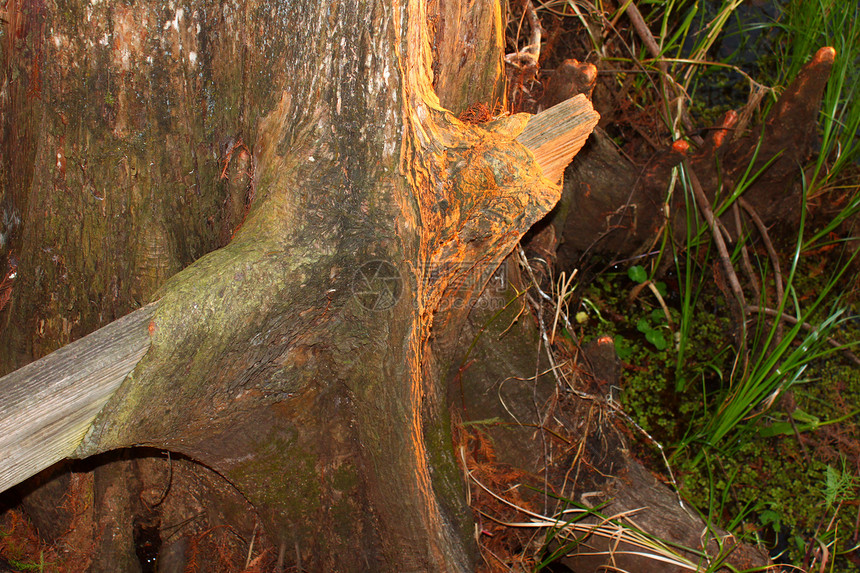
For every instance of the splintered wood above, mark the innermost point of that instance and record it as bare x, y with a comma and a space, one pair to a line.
556, 135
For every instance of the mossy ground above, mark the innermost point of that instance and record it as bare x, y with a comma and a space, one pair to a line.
788, 490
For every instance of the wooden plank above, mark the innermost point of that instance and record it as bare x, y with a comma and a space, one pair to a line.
47, 406
555, 135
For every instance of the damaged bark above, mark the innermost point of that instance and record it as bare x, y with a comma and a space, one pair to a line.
302, 361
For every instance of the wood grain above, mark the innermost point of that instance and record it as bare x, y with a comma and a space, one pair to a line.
47, 406
557, 134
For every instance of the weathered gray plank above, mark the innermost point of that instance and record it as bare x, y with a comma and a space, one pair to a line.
47, 406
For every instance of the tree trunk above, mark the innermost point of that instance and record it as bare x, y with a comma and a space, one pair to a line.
302, 361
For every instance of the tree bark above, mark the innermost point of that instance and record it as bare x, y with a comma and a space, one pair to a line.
302, 361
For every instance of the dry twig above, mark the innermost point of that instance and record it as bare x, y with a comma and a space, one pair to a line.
725, 260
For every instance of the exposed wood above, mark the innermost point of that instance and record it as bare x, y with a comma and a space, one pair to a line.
263, 362
47, 406
467, 62
556, 135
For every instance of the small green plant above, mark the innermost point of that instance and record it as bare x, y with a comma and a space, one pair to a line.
637, 273
839, 485
653, 329
660, 320
772, 519
797, 422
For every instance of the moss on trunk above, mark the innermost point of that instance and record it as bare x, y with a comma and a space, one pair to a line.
329, 416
